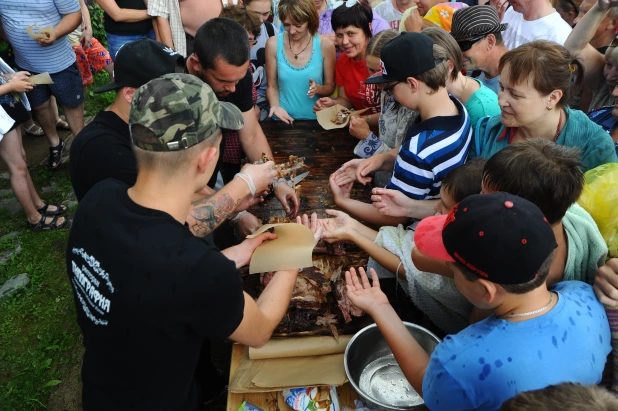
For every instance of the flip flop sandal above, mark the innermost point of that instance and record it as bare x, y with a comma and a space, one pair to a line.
60, 123
55, 155
60, 209
41, 225
34, 130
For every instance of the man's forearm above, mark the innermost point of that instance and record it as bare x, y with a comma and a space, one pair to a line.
252, 139
68, 23
275, 299
208, 214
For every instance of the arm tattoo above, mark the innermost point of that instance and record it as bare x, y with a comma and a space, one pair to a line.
210, 213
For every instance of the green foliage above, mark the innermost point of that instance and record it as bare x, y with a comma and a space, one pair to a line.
96, 19
97, 102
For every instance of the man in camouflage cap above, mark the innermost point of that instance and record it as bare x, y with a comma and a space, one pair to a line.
148, 292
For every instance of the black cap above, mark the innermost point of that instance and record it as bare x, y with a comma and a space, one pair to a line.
407, 55
140, 61
500, 237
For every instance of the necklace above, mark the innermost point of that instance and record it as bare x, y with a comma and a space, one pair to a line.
551, 298
558, 129
300, 52
463, 89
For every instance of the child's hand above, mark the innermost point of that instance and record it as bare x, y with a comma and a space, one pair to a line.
20, 85
22, 75
391, 202
362, 294
359, 127
323, 103
347, 173
338, 228
368, 166
313, 224
340, 192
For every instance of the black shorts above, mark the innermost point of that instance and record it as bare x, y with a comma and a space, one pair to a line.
17, 112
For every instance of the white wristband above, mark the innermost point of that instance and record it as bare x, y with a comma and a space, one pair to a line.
247, 179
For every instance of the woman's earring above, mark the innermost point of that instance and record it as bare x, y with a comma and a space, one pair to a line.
548, 108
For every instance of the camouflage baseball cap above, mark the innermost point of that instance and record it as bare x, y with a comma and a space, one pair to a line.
181, 110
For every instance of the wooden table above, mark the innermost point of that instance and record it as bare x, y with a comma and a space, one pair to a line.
324, 152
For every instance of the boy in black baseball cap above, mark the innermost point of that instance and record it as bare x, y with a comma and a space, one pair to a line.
414, 71
500, 248
103, 148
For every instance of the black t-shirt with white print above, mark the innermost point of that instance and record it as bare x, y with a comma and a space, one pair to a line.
147, 294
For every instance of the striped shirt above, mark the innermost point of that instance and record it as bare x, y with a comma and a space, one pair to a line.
17, 15
430, 150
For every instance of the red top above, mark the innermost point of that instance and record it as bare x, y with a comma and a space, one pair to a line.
351, 74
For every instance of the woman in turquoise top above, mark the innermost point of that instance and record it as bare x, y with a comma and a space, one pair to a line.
478, 100
300, 66
535, 86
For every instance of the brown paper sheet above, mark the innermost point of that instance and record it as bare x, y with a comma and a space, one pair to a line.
292, 249
300, 347
276, 374
325, 116
42, 78
301, 372
42, 33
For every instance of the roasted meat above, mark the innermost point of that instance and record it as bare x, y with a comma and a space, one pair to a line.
341, 116
328, 320
345, 305
310, 290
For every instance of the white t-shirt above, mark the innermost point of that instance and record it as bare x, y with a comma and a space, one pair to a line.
521, 31
389, 13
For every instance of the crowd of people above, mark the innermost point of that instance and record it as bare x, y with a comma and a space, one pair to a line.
479, 123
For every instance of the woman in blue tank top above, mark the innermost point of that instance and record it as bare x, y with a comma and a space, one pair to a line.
300, 66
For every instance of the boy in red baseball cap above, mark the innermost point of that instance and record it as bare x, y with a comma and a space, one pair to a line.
499, 247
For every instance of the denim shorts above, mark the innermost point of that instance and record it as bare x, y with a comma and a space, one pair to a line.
67, 89
115, 41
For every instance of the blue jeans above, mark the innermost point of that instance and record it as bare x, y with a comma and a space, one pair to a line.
115, 41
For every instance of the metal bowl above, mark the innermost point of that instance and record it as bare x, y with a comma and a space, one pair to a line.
374, 373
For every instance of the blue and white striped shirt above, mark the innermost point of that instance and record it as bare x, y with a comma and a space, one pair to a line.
16, 15
430, 150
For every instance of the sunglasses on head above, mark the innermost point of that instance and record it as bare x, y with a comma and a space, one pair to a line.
466, 45
348, 3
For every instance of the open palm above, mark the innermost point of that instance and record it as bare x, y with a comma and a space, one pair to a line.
362, 294
337, 228
391, 202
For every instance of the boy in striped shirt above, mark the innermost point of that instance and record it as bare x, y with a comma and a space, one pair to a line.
414, 72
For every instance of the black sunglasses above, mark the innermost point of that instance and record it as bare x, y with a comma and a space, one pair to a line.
389, 90
466, 45
614, 42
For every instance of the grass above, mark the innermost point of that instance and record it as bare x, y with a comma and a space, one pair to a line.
38, 331
39, 335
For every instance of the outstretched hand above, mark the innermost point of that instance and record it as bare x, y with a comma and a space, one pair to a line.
288, 196
313, 224
281, 114
340, 192
391, 202
338, 228
362, 294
